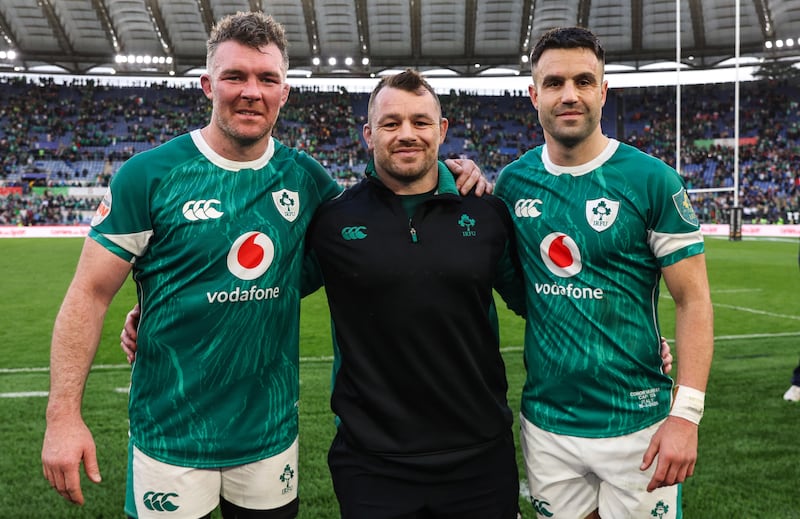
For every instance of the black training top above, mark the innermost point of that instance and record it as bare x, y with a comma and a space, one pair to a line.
418, 368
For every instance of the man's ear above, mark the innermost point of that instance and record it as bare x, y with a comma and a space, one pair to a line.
205, 84
604, 91
366, 131
444, 124
533, 95
285, 94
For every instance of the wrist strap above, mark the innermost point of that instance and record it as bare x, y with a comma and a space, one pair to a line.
689, 404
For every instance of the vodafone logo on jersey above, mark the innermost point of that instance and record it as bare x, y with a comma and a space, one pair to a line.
251, 255
561, 254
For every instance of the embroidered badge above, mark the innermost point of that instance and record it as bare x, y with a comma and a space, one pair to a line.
288, 203
601, 213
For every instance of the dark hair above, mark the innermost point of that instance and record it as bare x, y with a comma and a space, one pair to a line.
408, 80
568, 38
254, 29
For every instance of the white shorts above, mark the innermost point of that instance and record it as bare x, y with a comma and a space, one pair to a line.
569, 476
191, 493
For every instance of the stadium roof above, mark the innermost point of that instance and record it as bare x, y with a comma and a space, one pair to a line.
465, 37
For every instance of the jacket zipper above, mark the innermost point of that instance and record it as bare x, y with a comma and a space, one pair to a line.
412, 231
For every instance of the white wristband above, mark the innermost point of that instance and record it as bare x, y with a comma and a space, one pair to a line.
689, 404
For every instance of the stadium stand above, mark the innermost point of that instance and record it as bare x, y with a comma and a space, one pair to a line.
54, 136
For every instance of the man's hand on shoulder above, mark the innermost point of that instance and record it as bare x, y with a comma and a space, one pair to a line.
468, 175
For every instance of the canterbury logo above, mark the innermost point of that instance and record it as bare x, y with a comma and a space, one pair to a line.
354, 233
527, 208
201, 209
540, 506
160, 501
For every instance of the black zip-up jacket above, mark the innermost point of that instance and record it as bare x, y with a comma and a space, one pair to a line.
418, 366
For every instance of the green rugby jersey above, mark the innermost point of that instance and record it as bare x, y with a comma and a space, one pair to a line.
592, 240
216, 247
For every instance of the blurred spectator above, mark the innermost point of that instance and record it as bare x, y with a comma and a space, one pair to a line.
77, 134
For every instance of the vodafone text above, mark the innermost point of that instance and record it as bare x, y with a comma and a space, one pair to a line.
570, 291
237, 295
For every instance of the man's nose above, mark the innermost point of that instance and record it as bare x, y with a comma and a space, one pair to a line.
250, 89
407, 130
569, 94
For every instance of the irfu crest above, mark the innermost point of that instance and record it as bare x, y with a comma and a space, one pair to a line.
601, 213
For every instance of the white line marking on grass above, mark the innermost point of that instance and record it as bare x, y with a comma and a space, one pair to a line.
756, 336
24, 370
24, 394
746, 309
759, 312
736, 290
98, 367
316, 359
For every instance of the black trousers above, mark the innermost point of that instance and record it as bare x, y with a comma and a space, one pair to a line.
482, 483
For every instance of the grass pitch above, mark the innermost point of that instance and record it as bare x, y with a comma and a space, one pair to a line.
748, 465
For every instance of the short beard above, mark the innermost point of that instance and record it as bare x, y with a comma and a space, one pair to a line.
405, 179
571, 142
242, 141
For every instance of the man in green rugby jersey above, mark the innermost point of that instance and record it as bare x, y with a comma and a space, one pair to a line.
599, 224
211, 224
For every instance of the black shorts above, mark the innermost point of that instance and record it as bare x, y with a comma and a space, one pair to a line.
481, 483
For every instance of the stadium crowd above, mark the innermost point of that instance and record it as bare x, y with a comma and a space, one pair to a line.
77, 134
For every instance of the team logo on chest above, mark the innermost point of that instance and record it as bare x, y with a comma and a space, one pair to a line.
467, 223
601, 213
288, 203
